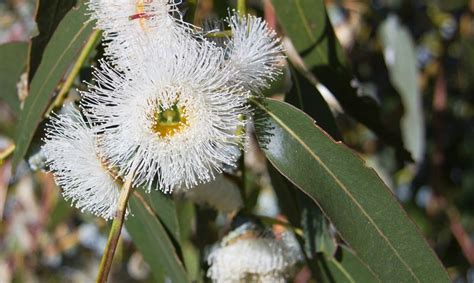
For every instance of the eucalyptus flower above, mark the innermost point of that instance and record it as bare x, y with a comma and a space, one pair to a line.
129, 25
254, 50
177, 114
247, 256
79, 168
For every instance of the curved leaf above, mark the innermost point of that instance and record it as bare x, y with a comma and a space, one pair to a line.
165, 209
305, 96
151, 238
351, 195
349, 268
62, 49
48, 16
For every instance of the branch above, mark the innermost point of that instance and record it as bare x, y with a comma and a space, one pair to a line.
114, 234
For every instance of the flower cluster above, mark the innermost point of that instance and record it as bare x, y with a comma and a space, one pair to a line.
166, 105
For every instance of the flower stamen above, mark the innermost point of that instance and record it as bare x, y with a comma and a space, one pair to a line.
169, 121
141, 15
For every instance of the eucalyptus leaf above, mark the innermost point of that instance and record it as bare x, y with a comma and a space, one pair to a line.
305, 96
61, 52
155, 244
352, 196
165, 208
349, 268
48, 16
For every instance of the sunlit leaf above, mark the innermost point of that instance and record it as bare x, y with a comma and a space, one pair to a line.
352, 196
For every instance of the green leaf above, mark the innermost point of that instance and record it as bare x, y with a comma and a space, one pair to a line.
349, 268
48, 16
305, 96
307, 25
303, 213
13, 58
152, 240
400, 58
59, 55
186, 215
165, 208
352, 196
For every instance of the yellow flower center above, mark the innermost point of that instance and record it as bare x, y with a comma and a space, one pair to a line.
170, 121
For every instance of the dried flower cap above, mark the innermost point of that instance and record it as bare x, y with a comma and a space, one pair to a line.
248, 257
72, 155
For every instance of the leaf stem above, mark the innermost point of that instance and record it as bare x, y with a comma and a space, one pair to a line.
219, 34
115, 230
6, 152
242, 6
58, 101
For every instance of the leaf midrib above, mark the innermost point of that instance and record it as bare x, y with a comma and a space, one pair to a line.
45, 82
308, 30
341, 185
27, 117
342, 270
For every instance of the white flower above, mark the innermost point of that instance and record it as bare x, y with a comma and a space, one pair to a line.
252, 259
176, 114
221, 194
128, 25
72, 155
254, 50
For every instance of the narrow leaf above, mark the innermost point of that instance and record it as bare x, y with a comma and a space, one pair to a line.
13, 58
151, 238
352, 196
165, 208
60, 53
302, 212
48, 16
305, 96
348, 268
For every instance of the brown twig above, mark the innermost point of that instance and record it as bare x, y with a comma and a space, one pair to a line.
463, 239
115, 230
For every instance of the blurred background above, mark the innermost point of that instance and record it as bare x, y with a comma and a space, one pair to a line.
414, 58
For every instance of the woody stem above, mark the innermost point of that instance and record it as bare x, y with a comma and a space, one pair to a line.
114, 234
